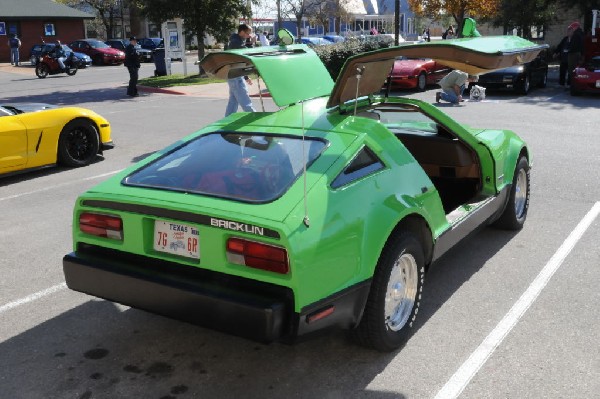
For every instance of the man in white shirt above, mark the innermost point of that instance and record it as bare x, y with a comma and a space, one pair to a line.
263, 38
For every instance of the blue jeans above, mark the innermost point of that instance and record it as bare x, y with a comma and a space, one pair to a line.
14, 56
238, 96
450, 96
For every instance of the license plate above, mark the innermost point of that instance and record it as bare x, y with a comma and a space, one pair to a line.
177, 239
598, 83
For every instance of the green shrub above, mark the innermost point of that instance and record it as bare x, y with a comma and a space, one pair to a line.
335, 55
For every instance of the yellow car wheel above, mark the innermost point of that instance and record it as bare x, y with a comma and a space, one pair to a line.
78, 143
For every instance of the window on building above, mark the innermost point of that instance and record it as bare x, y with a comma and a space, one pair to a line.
49, 29
13, 29
153, 30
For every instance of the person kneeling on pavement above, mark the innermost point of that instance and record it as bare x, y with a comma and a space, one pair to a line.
453, 86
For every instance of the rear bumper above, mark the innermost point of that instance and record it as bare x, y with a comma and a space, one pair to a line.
247, 308
225, 303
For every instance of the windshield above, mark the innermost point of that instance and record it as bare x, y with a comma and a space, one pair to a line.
245, 167
97, 44
156, 40
594, 63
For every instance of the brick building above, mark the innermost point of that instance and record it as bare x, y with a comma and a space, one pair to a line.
37, 20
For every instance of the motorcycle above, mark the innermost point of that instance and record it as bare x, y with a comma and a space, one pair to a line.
48, 65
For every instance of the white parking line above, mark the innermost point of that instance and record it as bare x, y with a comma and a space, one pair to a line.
457, 383
32, 297
58, 185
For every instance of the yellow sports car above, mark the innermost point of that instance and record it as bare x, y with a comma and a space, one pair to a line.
34, 136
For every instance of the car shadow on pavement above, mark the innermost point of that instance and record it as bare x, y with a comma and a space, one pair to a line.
35, 174
76, 97
100, 349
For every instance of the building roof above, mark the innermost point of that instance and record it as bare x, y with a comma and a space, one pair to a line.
34, 9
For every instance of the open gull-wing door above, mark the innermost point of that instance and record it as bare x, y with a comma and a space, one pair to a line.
472, 55
292, 73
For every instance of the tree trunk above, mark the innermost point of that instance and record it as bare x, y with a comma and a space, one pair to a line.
200, 36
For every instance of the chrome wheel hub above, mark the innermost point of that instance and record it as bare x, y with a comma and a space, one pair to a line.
521, 193
401, 292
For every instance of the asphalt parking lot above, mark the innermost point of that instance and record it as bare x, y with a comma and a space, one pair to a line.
505, 315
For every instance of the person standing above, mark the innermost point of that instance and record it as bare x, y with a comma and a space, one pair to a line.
562, 53
132, 62
263, 38
575, 56
238, 91
14, 43
453, 86
449, 33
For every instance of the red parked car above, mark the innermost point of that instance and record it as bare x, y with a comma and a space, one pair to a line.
416, 73
100, 52
586, 78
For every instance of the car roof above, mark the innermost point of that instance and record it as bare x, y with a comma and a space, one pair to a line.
295, 73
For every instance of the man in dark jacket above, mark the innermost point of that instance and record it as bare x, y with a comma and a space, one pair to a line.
14, 43
238, 91
575, 48
562, 53
132, 62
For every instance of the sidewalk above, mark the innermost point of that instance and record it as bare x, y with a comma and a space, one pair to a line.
24, 69
213, 90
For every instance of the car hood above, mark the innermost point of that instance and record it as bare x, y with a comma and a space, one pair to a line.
110, 50
29, 107
513, 69
295, 73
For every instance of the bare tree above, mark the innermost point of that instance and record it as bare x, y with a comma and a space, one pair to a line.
107, 11
298, 9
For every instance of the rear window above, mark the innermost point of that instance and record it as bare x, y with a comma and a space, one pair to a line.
244, 167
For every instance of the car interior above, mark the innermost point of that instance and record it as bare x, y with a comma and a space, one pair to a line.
450, 164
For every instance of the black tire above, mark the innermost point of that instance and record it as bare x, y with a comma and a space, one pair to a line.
544, 80
397, 283
42, 70
78, 143
515, 213
71, 71
524, 87
574, 91
422, 81
98, 60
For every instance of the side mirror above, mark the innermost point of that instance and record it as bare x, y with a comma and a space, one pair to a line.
285, 37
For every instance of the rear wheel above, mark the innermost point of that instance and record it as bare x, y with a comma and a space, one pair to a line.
544, 80
524, 87
78, 143
98, 60
42, 70
515, 213
422, 81
395, 295
574, 91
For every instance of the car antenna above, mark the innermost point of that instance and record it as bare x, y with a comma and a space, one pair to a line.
262, 104
306, 219
359, 72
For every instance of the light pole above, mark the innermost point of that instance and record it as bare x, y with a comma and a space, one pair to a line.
397, 23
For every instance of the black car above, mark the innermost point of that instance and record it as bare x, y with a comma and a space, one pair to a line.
518, 78
143, 54
38, 50
150, 43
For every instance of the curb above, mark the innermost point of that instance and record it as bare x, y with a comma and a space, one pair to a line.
149, 89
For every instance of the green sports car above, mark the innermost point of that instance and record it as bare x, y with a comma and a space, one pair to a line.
328, 212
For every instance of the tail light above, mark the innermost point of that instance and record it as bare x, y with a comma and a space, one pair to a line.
257, 255
101, 225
